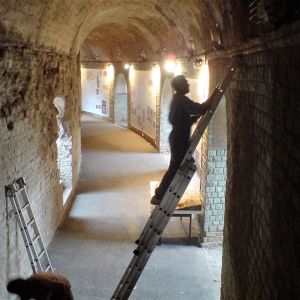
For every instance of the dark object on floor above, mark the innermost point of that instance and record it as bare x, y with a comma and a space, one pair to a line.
42, 286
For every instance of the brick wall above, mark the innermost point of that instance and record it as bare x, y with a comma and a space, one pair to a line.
213, 166
215, 196
143, 113
262, 221
30, 80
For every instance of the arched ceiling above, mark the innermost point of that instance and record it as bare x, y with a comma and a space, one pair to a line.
114, 29
125, 29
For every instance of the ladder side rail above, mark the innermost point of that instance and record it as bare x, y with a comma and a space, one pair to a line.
39, 240
165, 203
150, 234
199, 130
24, 235
204, 120
156, 217
29, 238
158, 208
159, 226
145, 254
43, 251
125, 275
134, 264
202, 126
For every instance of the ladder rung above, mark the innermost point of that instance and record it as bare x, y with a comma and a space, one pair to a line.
48, 268
35, 238
30, 222
42, 253
19, 200
25, 206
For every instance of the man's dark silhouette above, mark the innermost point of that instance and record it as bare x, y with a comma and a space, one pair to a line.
183, 113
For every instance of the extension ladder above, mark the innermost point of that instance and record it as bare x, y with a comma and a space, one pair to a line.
36, 250
160, 216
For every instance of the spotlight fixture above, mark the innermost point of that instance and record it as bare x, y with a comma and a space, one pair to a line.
143, 56
126, 66
191, 48
197, 63
170, 65
164, 52
215, 35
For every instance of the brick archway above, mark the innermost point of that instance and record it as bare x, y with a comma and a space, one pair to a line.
64, 147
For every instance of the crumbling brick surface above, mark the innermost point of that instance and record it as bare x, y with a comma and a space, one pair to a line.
30, 80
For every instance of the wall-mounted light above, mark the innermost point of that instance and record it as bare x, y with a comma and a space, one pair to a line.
143, 56
178, 68
164, 52
203, 82
191, 48
156, 77
110, 72
126, 66
198, 63
131, 73
170, 65
215, 35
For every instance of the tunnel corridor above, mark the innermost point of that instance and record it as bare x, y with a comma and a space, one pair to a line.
60, 59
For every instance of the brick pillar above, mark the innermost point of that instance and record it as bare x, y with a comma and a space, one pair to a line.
215, 195
213, 175
165, 126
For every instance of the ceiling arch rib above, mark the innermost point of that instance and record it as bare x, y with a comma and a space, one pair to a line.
113, 41
131, 37
162, 26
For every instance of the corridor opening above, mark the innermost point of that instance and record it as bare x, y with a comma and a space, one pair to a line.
64, 148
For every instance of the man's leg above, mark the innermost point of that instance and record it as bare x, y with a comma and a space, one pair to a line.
176, 158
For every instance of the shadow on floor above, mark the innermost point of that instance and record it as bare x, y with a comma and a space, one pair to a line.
93, 184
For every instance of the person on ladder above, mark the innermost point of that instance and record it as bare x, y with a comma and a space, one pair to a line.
183, 114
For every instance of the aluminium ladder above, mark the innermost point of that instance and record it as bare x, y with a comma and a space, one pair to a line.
36, 250
161, 214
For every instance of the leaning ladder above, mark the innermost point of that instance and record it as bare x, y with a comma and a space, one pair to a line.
162, 212
36, 250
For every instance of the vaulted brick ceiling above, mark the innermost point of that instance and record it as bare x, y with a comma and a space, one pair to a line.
125, 28
114, 29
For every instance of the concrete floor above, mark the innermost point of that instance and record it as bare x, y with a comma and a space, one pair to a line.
94, 245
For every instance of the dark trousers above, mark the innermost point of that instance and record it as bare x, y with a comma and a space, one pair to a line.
179, 144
